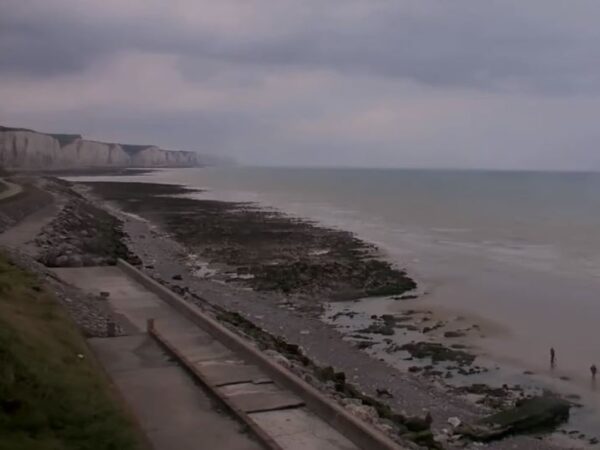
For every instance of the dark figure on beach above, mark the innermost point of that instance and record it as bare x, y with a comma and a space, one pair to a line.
552, 357
593, 369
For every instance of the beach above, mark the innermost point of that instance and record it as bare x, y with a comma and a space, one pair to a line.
357, 322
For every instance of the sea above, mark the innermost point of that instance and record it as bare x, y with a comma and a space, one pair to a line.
519, 250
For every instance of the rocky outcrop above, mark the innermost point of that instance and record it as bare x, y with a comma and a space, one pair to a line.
528, 415
30, 150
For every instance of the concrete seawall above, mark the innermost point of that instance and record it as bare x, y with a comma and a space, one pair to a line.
362, 434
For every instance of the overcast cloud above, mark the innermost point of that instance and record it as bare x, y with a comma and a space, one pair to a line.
423, 83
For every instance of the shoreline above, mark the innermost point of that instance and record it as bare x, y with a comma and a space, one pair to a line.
299, 307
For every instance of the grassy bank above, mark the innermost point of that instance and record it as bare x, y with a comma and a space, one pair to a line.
52, 393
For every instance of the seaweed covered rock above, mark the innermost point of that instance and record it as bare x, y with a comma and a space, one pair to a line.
529, 415
437, 353
264, 249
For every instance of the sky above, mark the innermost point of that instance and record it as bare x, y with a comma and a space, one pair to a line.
500, 84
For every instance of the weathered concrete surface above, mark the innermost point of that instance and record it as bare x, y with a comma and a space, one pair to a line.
11, 190
24, 232
171, 409
250, 397
231, 372
299, 429
147, 378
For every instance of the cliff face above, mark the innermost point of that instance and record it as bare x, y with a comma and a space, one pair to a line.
28, 149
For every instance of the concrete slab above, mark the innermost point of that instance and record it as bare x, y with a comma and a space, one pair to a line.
299, 429
24, 232
126, 297
172, 411
251, 397
196, 349
129, 353
228, 372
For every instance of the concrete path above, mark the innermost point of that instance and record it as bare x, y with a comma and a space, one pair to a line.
147, 378
172, 410
24, 232
11, 190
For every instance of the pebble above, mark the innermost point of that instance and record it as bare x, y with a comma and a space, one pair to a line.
454, 421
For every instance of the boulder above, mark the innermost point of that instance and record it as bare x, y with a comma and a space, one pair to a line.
535, 414
75, 261
62, 261
418, 423
454, 421
454, 334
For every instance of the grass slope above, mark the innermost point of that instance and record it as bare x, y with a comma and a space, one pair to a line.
53, 395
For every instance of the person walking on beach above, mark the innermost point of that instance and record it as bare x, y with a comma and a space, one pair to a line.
552, 358
593, 369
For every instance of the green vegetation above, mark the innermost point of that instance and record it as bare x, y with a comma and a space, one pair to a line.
53, 395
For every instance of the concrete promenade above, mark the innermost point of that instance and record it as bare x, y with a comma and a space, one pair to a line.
175, 412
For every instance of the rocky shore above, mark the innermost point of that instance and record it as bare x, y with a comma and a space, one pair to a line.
264, 250
221, 250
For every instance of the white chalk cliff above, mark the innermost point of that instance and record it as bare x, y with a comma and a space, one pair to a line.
28, 149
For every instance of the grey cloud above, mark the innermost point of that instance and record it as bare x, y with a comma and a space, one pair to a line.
484, 45
469, 83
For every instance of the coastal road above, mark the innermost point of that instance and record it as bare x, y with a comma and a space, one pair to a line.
172, 410
11, 190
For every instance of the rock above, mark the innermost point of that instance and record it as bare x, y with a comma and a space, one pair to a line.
376, 328
62, 261
362, 345
104, 294
364, 412
418, 423
454, 334
75, 261
437, 353
423, 438
526, 416
383, 393
454, 421
405, 297
177, 277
